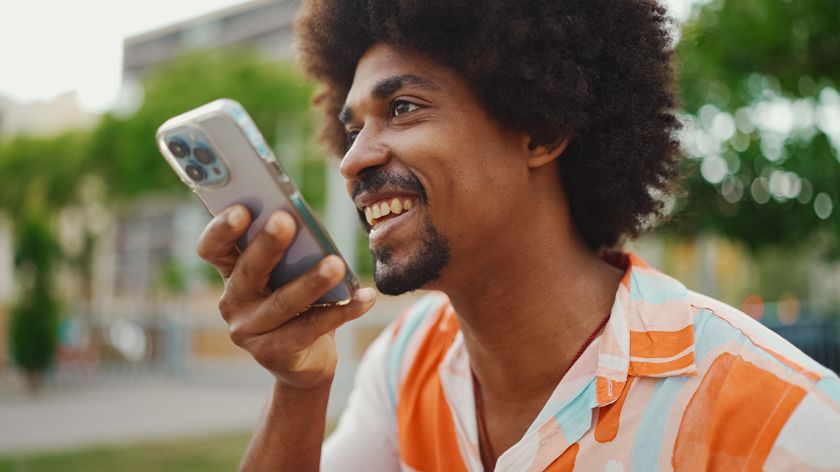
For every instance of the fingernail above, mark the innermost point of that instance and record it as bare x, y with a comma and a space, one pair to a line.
366, 294
236, 217
328, 269
273, 225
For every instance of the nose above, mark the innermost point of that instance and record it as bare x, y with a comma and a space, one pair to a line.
366, 152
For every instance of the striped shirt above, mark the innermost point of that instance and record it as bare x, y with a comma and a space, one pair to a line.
676, 380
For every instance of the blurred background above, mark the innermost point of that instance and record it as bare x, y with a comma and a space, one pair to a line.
112, 351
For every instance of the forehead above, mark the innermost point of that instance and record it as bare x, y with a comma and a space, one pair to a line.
383, 61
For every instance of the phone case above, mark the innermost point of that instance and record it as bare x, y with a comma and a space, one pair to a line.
218, 152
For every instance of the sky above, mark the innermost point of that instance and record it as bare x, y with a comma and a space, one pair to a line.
50, 47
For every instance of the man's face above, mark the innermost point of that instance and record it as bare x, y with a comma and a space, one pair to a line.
437, 183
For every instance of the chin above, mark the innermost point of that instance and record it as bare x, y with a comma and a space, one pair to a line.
393, 278
395, 275
396, 282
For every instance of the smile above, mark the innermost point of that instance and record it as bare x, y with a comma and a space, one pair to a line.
383, 210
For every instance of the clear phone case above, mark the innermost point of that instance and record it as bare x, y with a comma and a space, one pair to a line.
218, 152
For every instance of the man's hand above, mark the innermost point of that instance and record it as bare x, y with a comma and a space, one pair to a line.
292, 341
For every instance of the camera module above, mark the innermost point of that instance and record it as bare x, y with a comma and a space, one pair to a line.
178, 148
204, 155
195, 172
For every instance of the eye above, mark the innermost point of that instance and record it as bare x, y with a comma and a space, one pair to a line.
351, 136
400, 107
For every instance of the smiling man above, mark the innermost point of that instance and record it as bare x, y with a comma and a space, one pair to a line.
499, 153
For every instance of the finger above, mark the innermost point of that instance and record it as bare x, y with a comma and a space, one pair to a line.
289, 300
316, 322
217, 243
264, 252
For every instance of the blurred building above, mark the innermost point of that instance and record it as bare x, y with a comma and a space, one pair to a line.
265, 25
43, 117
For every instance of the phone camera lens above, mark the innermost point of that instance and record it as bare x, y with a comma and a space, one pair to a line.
178, 148
196, 173
204, 155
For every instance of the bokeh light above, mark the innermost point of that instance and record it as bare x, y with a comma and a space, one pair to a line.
753, 305
823, 206
788, 308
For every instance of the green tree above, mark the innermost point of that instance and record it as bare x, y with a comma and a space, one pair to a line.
38, 177
33, 329
758, 79
56, 162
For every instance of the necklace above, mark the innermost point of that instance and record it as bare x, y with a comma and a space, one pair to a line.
485, 448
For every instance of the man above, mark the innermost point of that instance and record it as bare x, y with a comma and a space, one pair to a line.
499, 153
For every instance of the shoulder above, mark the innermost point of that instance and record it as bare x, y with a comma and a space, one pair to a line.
744, 367
396, 348
722, 331
366, 434
754, 397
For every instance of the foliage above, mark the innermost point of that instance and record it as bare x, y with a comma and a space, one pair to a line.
758, 80
34, 317
124, 150
57, 162
172, 279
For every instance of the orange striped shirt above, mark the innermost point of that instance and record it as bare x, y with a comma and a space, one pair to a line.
675, 381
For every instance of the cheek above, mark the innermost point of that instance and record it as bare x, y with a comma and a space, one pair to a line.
481, 195
472, 178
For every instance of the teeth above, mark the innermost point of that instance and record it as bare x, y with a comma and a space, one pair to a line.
396, 206
381, 209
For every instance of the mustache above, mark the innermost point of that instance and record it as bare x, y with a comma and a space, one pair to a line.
374, 180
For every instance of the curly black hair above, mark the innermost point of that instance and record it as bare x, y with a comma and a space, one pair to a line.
598, 71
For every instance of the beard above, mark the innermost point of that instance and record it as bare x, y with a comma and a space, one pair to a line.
431, 250
425, 263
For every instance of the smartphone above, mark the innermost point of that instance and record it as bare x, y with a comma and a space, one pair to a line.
218, 152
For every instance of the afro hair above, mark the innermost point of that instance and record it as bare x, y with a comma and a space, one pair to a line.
599, 72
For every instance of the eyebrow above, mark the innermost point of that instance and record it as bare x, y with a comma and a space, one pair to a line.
388, 86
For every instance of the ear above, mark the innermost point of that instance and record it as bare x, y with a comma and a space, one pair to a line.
540, 155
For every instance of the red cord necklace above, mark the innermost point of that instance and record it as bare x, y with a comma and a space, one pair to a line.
485, 448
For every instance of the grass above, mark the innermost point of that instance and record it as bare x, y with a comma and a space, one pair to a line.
210, 453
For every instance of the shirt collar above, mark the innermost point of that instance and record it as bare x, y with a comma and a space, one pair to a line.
650, 332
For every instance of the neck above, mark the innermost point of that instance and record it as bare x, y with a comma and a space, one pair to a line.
524, 323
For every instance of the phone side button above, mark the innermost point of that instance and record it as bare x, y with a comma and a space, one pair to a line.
285, 181
278, 171
276, 166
